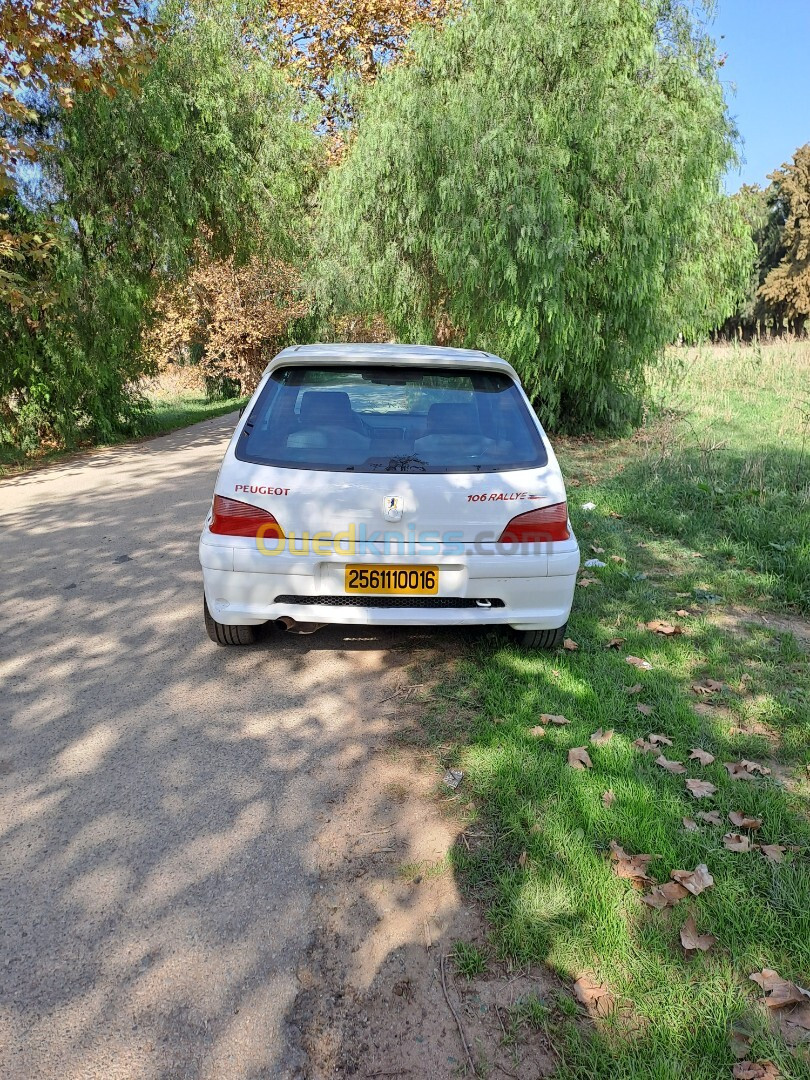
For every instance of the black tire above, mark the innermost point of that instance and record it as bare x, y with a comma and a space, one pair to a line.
541, 639
228, 635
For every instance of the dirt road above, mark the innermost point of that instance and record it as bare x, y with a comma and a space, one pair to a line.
159, 796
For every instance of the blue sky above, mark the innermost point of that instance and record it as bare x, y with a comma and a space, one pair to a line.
768, 46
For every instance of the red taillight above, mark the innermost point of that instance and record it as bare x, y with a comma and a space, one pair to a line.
547, 523
233, 518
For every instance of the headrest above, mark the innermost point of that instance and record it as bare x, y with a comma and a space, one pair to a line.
326, 407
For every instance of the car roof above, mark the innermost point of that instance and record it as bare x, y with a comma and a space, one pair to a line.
361, 353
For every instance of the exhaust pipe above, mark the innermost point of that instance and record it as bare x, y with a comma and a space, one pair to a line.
294, 627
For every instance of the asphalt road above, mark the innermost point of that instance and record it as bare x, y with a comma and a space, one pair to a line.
159, 796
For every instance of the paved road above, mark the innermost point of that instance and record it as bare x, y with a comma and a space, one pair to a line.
158, 795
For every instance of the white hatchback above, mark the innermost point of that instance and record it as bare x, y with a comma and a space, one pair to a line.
388, 484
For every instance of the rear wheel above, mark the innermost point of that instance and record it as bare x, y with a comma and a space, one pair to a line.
541, 639
228, 635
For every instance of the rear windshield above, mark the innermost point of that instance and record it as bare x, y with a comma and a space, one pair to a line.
391, 420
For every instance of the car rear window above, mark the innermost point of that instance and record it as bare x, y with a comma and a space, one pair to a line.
391, 419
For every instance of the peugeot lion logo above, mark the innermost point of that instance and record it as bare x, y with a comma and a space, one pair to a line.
392, 507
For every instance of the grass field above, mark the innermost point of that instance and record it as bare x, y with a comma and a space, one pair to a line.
707, 513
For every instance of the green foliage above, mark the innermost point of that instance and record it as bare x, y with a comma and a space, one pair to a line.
547, 188
210, 151
469, 960
786, 289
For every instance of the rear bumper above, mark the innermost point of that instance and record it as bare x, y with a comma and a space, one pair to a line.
534, 591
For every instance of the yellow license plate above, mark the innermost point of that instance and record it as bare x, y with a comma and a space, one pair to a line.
393, 580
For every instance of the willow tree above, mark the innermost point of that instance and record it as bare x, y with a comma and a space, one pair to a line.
544, 179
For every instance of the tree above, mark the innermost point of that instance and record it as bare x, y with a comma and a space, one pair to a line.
786, 289
549, 187
324, 42
49, 51
208, 153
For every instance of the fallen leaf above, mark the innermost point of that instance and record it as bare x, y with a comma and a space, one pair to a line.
702, 756
700, 789
613, 514
553, 718
744, 821
617, 559
599, 737
740, 1041
637, 662
632, 867
682, 613
734, 841
570, 645
594, 996
708, 686
645, 710
538, 731
659, 627
691, 939
696, 881
647, 747
779, 992
614, 643
666, 895
755, 1070
578, 758
659, 740
711, 817
608, 798
597, 550
586, 581
755, 767
523, 858
772, 852
737, 771
670, 766
690, 824
634, 689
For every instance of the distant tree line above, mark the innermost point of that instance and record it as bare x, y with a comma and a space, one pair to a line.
777, 300
207, 181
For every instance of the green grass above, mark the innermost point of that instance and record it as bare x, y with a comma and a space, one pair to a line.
744, 509
168, 414
468, 959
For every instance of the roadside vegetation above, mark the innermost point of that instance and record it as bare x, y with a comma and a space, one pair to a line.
703, 522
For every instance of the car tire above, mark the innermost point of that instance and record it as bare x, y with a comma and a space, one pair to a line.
541, 639
228, 635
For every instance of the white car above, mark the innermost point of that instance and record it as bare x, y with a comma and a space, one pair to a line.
388, 484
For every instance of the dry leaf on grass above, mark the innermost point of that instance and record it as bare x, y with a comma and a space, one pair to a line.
659, 740
637, 662
597, 550
779, 992
594, 996
538, 732
645, 710
711, 817
772, 852
614, 642
700, 789
523, 858
553, 718
703, 756
755, 1070
599, 737
755, 767
634, 689
578, 758
632, 867
670, 766
608, 798
736, 770
744, 821
586, 581
734, 841
617, 559
682, 613
740, 1041
708, 686
647, 747
665, 895
691, 939
570, 645
659, 627
690, 824
694, 880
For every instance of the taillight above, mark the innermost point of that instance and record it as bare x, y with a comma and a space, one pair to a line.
233, 518
547, 523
